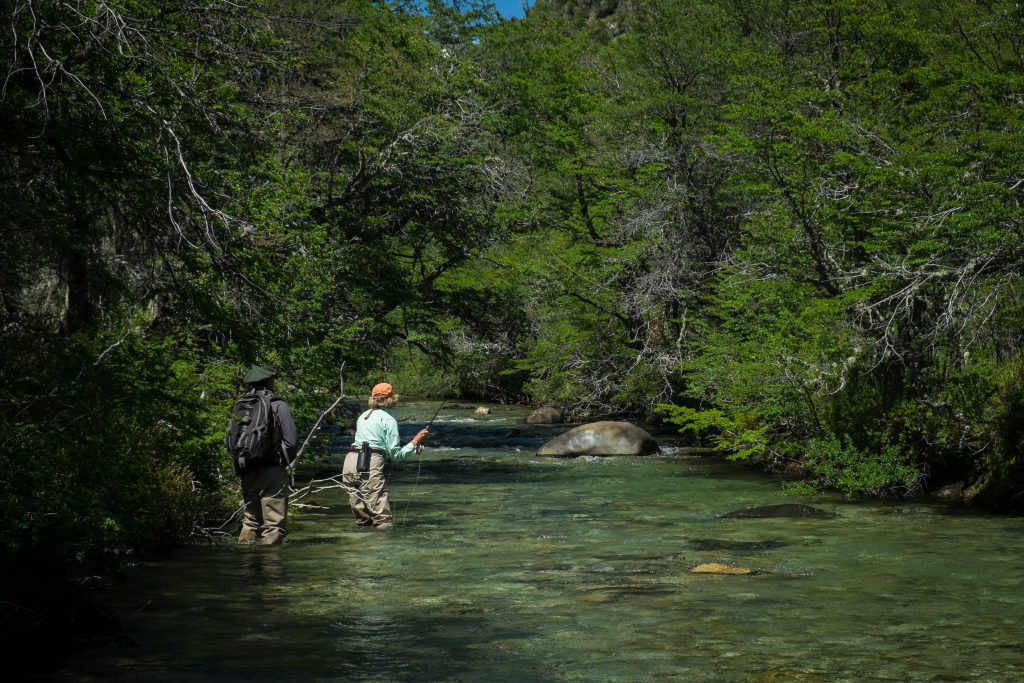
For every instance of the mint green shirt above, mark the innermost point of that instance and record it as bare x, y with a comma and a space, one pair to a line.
380, 430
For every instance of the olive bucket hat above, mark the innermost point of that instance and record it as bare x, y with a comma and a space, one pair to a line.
258, 373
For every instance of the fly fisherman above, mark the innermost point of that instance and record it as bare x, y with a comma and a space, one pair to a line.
263, 468
375, 444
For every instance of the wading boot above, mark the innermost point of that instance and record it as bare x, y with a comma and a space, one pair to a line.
272, 537
248, 536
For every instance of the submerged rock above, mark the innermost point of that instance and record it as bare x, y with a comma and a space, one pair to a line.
784, 510
545, 416
717, 568
600, 438
715, 544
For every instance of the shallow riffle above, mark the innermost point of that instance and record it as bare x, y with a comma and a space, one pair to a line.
509, 567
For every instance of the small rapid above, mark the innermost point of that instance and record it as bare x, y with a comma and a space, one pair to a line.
508, 567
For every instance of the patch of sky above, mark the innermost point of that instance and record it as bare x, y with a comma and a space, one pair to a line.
508, 9
512, 8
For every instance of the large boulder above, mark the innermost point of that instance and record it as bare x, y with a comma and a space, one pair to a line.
600, 438
545, 416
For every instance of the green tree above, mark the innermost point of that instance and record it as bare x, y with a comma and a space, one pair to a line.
876, 154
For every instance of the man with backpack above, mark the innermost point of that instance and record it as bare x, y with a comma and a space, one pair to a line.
262, 440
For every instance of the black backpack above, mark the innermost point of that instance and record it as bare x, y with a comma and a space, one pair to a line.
254, 434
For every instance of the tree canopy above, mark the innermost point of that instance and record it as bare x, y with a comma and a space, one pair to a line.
793, 230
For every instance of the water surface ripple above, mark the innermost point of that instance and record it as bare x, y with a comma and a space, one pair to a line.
508, 567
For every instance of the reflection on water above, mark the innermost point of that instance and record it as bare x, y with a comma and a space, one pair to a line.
507, 567
263, 567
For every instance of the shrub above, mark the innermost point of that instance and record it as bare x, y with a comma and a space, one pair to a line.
836, 463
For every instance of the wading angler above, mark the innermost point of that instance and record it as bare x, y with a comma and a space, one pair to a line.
262, 441
375, 444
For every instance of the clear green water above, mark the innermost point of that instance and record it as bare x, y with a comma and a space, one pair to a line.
507, 567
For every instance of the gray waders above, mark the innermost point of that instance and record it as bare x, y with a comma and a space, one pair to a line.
364, 471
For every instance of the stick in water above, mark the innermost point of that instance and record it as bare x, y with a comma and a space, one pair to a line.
316, 425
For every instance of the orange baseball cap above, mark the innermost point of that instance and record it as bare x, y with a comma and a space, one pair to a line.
382, 390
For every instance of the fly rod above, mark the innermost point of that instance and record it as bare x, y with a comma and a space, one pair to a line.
436, 413
419, 461
419, 447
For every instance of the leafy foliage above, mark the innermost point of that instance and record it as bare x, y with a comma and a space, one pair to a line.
796, 227
838, 464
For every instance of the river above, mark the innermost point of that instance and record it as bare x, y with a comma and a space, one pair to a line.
508, 567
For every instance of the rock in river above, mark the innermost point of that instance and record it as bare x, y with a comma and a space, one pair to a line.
785, 510
545, 416
718, 568
601, 438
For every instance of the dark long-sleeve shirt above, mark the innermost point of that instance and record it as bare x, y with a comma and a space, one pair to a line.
289, 433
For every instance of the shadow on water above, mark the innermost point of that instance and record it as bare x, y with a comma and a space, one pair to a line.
450, 471
262, 567
716, 544
508, 567
456, 471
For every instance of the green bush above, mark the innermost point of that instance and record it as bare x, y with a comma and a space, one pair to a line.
835, 463
415, 374
1003, 465
734, 435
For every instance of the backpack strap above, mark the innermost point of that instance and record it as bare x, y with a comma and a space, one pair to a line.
276, 430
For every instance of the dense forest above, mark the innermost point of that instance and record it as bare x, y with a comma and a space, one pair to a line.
793, 230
